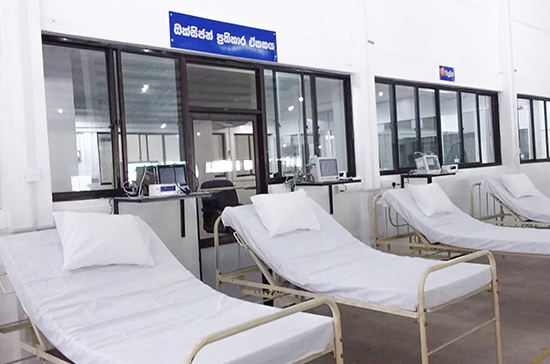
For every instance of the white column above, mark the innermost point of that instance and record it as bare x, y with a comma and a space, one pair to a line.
23, 129
509, 135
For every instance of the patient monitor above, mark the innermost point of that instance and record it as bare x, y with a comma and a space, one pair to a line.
427, 163
325, 169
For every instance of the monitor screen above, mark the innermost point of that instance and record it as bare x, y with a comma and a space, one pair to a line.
175, 174
432, 163
328, 167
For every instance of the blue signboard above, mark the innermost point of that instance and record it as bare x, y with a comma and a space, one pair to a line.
446, 73
205, 35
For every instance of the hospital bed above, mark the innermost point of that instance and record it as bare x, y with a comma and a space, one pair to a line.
444, 236
331, 262
160, 314
490, 201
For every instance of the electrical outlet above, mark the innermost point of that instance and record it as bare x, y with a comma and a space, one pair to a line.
32, 175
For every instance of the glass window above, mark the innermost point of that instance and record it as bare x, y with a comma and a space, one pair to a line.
77, 103
525, 129
470, 128
331, 120
428, 121
541, 151
219, 87
406, 125
486, 131
152, 104
384, 126
449, 127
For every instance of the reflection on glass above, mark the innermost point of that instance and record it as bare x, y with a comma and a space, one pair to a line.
449, 127
152, 108
406, 125
77, 105
221, 87
331, 118
469, 124
428, 129
383, 120
487, 133
525, 130
540, 130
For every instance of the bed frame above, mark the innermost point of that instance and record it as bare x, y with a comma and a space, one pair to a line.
487, 207
39, 346
276, 287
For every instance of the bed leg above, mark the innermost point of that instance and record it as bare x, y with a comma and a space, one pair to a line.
494, 288
422, 323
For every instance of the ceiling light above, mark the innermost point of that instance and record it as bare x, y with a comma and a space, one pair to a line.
320, 147
290, 108
241, 127
301, 99
163, 125
60, 111
144, 89
284, 145
198, 133
146, 50
381, 94
64, 39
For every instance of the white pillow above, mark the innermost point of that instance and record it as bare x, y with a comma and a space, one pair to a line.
285, 212
519, 185
96, 239
431, 199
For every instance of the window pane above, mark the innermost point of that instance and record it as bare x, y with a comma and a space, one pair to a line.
331, 119
152, 105
383, 120
428, 129
540, 130
291, 123
221, 87
469, 125
525, 130
406, 125
487, 133
77, 104
449, 127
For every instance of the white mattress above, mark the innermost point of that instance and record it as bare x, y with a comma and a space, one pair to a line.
534, 208
332, 262
129, 314
461, 230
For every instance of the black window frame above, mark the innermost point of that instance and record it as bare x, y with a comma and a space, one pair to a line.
392, 83
113, 52
531, 100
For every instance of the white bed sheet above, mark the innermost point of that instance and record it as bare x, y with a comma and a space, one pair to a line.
534, 208
462, 230
332, 262
129, 314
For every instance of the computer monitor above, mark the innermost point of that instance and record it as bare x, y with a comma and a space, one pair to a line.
326, 169
428, 164
172, 174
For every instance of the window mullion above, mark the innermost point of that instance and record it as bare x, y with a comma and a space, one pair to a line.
533, 136
460, 127
394, 131
478, 115
438, 125
417, 119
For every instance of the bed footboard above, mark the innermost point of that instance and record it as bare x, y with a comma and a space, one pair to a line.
335, 347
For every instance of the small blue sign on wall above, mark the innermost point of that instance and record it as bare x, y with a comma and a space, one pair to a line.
446, 73
205, 35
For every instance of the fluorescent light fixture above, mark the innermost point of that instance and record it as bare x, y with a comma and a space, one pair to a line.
198, 133
60, 111
290, 108
146, 50
381, 94
301, 99
144, 89
163, 125
241, 127
284, 145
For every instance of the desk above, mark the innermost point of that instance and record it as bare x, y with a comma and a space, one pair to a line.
329, 184
429, 177
159, 212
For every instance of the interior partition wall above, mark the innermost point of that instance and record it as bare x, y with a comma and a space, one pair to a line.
458, 125
113, 108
